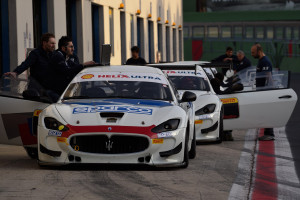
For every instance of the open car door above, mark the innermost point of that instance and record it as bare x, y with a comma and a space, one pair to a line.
259, 107
21, 101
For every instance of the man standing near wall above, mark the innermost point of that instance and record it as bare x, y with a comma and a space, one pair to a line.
135, 59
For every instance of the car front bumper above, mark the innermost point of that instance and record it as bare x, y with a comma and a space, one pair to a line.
207, 127
162, 149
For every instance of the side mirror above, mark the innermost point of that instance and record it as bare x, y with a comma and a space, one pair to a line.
188, 97
31, 94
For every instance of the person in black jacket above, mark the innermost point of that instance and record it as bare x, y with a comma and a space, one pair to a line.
243, 62
38, 61
228, 57
135, 59
65, 65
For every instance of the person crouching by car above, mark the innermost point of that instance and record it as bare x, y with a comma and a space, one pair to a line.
228, 57
242, 62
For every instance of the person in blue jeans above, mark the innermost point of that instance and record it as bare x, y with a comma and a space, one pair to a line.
264, 68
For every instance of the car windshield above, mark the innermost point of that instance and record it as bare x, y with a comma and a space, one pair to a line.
113, 86
189, 83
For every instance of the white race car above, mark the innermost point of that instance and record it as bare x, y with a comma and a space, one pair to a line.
118, 114
262, 107
208, 106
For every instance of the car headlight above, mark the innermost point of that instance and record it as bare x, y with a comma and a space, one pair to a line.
53, 124
210, 108
170, 125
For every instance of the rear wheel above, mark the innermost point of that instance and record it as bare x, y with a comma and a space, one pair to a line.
192, 152
185, 162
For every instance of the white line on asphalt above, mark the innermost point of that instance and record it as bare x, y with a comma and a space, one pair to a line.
242, 183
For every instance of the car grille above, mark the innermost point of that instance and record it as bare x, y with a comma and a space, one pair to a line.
116, 144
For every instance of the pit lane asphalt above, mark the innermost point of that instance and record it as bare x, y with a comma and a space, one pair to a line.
209, 176
293, 126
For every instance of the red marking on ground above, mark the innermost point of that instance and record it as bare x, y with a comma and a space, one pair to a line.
27, 138
197, 49
113, 129
265, 184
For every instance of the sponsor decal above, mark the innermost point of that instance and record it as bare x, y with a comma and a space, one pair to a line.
198, 121
164, 134
54, 133
87, 76
124, 76
229, 100
231, 108
62, 139
127, 109
158, 141
183, 73
207, 116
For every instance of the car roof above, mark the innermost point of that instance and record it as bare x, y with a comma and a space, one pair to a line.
122, 68
192, 62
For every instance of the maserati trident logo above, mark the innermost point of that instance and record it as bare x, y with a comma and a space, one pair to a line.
109, 145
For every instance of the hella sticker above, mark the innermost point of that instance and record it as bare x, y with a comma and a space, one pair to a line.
164, 134
54, 133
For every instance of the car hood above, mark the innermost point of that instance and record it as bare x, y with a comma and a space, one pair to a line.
135, 112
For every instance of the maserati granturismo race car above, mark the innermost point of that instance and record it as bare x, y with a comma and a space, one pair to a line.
118, 114
264, 107
208, 107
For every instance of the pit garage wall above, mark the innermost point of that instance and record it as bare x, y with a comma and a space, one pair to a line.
170, 10
21, 26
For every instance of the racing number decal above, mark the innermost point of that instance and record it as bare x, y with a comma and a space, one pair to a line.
231, 108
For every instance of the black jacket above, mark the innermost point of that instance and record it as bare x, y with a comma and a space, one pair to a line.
38, 62
222, 57
139, 61
243, 64
63, 70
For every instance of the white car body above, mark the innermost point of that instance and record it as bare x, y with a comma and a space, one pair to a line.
93, 136
208, 125
250, 108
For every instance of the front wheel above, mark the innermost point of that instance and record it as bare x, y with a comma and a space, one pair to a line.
192, 152
221, 131
185, 162
32, 152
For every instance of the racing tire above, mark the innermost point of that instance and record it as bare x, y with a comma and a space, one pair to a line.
32, 152
221, 131
185, 162
192, 152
